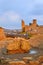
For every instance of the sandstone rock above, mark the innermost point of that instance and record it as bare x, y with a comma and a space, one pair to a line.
2, 34
18, 45
17, 63
2, 44
27, 59
34, 63
36, 41
42, 64
25, 45
13, 45
40, 59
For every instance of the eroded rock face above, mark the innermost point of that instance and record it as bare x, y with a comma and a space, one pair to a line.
14, 45
36, 41
2, 35
25, 45
18, 45
2, 44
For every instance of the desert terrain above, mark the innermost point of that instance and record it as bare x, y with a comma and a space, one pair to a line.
20, 48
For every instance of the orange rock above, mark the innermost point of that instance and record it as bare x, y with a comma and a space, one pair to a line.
17, 63
18, 46
25, 45
34, 63
27, 59
36, 41
13, 45
40, 59
2, 34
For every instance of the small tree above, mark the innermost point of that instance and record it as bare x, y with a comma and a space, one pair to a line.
29, 35
30, 23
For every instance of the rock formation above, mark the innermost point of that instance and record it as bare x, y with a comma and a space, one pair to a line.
2, 34
36, 41
32, 28
25, 45
18, 46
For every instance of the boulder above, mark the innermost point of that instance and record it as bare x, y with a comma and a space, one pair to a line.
25, 45
13, 45
18, 46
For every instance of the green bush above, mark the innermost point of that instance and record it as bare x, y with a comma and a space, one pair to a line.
29, 35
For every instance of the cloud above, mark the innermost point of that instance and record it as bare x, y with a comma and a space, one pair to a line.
10, 19
25, 8
37, 10
38, 17
38, 1
10, 16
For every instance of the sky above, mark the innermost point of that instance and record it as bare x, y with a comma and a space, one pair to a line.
13, 11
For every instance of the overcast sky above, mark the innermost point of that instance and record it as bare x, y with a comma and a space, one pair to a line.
13, 11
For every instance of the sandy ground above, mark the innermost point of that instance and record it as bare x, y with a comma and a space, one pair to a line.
20, 56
